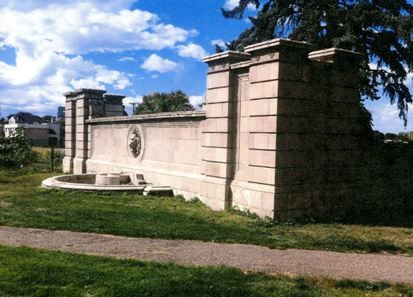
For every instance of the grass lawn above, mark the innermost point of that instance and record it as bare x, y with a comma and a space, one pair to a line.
29, 272
24, 204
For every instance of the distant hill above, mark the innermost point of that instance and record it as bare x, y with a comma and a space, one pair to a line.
28, 118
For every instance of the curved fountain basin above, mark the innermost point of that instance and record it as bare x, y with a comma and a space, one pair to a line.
94, 182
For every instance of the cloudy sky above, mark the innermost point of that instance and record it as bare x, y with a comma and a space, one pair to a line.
124, 46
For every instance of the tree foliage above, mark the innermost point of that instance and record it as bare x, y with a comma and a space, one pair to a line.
16, 150
164, 102
382, 30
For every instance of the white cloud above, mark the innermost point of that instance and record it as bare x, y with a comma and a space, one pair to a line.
231, 4
50, 38
60, 74
159, 64
84, 27
386, 117
192, 50
126, 59
132, 99
219, 42
196, 101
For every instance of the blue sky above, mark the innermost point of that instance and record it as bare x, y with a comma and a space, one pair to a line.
124, 46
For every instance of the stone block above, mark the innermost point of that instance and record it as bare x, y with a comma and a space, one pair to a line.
294, 158
81, 104
81, 129
217, 125
216, 169
215, 139
345, 78
69, 151
218, 80
215, 154
67, 164
263, 141
262, 175
69, 144
114, 108
218, 110
69, 105
263, 107
216, 204
293, 124
218, 95
82, 153
245, 108
294, 72
262, 158
293, 89
293, 176
79, 166
264, 72
69, 129
263, 90
243, 125
268, 201
298, 107
341, 94
263, 124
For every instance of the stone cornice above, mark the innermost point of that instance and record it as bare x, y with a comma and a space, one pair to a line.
199, 115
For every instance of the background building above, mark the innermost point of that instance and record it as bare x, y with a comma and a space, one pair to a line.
40, 134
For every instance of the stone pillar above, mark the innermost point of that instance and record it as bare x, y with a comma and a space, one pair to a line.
275, 66
113, 105
335, 80
78, 139
217, 151
70, 134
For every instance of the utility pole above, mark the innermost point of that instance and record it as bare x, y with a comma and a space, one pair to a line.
133, 107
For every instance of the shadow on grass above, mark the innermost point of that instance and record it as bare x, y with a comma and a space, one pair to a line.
27, 272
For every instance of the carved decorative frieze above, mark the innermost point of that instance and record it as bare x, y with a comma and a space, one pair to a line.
264, 58
218, 66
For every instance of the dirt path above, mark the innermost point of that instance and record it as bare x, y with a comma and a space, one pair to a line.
245, 257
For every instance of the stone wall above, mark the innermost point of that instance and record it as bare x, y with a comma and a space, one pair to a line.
281, 134
170, 149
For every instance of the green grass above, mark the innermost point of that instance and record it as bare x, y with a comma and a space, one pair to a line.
24, 204
29, 272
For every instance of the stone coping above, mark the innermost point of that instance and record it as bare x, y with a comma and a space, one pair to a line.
152, 116
276, 43
227, 55
328, 55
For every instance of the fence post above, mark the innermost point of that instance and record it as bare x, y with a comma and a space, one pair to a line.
52, 156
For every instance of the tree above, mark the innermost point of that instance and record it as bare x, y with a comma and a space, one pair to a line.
382, 30
164, 102
16, 150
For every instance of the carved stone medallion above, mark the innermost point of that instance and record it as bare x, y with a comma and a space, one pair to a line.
135, 141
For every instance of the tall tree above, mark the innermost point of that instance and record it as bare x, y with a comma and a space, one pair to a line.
382, 30
164, 102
